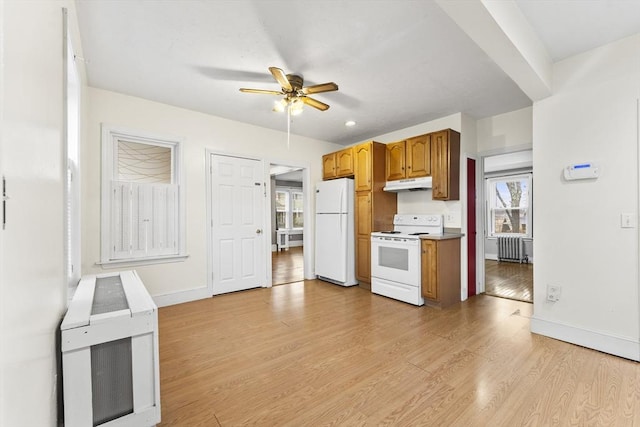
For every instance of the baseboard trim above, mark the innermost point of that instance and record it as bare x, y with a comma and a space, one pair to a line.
618, 346
180, 297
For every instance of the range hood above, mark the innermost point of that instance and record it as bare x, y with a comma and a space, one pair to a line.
410, 184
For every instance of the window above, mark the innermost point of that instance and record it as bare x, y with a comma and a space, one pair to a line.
282, 209
72, 146
509, 208
296, 209
289, 211
141, 196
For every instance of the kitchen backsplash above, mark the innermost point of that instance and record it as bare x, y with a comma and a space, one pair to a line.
420, 202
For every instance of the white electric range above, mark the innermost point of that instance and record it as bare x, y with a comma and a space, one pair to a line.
395, 256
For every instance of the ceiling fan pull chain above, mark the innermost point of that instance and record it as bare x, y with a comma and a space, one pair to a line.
288, 127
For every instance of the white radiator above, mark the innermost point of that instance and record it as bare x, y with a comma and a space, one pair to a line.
110, 365
512, 249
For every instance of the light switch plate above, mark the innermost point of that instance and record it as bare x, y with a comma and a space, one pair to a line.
627, 220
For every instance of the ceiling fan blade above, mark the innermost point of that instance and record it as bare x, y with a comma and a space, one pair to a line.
324, 87
281, 78
315, 103
267, 92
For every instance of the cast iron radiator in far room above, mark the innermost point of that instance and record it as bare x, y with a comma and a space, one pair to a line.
512, 249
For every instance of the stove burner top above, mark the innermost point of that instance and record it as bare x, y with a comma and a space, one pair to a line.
417, 234
390, 232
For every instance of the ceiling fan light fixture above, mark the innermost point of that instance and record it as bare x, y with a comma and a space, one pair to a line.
350, 123
280, 106
296, 106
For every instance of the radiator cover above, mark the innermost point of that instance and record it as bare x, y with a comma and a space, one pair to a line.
110, 363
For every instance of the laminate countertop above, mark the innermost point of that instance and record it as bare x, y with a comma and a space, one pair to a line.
445, 236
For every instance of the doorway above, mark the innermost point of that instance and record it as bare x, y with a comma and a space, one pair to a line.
288, 195
507, 224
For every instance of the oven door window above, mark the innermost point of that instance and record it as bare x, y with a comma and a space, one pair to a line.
396, 258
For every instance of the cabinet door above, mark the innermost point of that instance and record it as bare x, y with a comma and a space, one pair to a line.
363, 213
363, 236
418, 152
363, 260
363, 169
440, 165
395, 161
329, 166
430, 269
344, 162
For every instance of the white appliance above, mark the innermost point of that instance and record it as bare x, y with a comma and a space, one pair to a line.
335, 246
409, 184
396, 257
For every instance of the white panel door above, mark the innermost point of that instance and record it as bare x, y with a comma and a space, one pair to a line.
237, 212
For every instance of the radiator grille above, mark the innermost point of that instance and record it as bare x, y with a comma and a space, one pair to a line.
109, 296
111, 380
512, 249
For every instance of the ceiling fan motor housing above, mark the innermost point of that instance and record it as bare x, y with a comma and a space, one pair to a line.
296, 81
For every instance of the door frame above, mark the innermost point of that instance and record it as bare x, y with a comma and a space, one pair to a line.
481, 211
209, 224
308, 236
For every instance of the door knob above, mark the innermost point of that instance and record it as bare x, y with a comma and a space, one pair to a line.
258, 231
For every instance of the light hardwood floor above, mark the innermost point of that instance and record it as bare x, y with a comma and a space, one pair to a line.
509, 280
287, 266
312, 353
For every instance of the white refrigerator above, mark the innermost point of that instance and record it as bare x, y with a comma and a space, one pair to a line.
335, 246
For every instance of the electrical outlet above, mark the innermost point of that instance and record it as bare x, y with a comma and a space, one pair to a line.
553, 292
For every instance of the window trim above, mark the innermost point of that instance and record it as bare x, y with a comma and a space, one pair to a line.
490, 205
110, 136
290, 211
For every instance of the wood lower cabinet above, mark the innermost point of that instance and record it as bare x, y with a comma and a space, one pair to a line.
441, 272
338, 164
363, 261
445, 164
374, 207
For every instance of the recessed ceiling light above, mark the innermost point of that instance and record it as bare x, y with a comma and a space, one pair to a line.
349, 123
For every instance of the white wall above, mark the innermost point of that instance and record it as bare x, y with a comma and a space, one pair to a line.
32, 276
578, 241
505, 132
199, 132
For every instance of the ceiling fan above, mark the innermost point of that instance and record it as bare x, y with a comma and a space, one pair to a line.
295, 94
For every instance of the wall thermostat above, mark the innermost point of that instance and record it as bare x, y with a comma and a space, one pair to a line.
581, 171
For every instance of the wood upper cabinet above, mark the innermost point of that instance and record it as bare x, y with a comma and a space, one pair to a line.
344, 162
445, 164
418, 151
395, 162
409, 159
338, 164
363, 166
329, 166
441, 272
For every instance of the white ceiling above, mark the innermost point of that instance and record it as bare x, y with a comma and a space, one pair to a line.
397, 62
